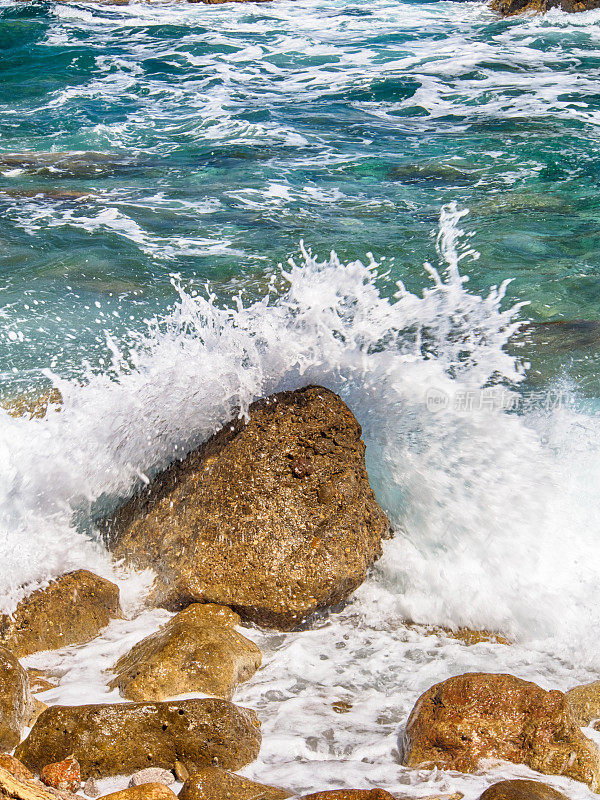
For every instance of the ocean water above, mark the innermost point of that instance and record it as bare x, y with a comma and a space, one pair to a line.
203, 205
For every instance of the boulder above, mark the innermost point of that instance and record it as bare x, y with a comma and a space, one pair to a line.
584, 703
70, 610
123, 738
350, 794
198, 650
15, 767
522, 790
146, 791
509, 8
15, 700
63, 775
481, 716
152, 775
213, 783
273, 516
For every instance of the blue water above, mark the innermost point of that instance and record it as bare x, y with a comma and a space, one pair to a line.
144, 141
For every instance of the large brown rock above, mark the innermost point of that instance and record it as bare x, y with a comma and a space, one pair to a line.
475, 716
123, 738
213, 783
508, 8
70, 610
146, 791
273, 517
522, 789
198, 650
15, 700
350, 794
584, 702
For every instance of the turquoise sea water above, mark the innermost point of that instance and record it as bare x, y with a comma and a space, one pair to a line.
144, 141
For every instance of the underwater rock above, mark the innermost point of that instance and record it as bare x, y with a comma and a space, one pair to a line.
584, 703
152, 775
198, 650
15, 700
475, 716
63, 775
241, 521
145, 791
521, 789
70, 610
33, 406
15, 767
213, 783
125, 737
510, 7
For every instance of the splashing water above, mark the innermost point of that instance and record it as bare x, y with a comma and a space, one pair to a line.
481, 509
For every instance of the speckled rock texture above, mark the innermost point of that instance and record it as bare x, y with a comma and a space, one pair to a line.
198, 650
351, 794
273, 517
480, 716
14, 788
123, 738
63, 775
584, 703
522, 789
145, 791
213, 783
15, 700
70, 610
15, 767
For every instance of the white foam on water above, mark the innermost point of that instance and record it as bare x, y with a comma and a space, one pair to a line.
495, 513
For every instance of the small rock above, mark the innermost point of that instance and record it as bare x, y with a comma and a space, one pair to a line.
152, 775
145, 791
15, 700
213, 783
341, 706
584, 702
91, 788
62, 775
198, 650
181, 772
71, 610
121, 738
459, 722
522, 790
14, 766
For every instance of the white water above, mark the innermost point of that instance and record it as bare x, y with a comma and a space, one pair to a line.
496, 514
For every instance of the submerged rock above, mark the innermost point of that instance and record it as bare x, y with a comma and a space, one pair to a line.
125, 737
15, 701
274, 517
33, 406
521, 790
213, 783
145, 791
584, 703
63, 775
478, 716
70, 610
198, 650
510, 7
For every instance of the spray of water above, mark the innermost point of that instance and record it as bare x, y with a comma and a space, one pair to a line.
479, 505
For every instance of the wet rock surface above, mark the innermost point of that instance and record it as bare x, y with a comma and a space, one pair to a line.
198, 650
584, 703
274, 517
522, 790
15, 701
146, 791
123, 738
477, 716
510, 7
70, 610
212, 783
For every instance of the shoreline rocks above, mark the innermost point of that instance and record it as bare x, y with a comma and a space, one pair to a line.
213, 783
521, 789
198, 650
509, 8
273, 517
475, 716
73, 609
126, 737
584, 703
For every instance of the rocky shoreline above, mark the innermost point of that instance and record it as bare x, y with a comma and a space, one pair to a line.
270, 522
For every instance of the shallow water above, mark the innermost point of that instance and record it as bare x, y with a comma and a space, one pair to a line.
159, 168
